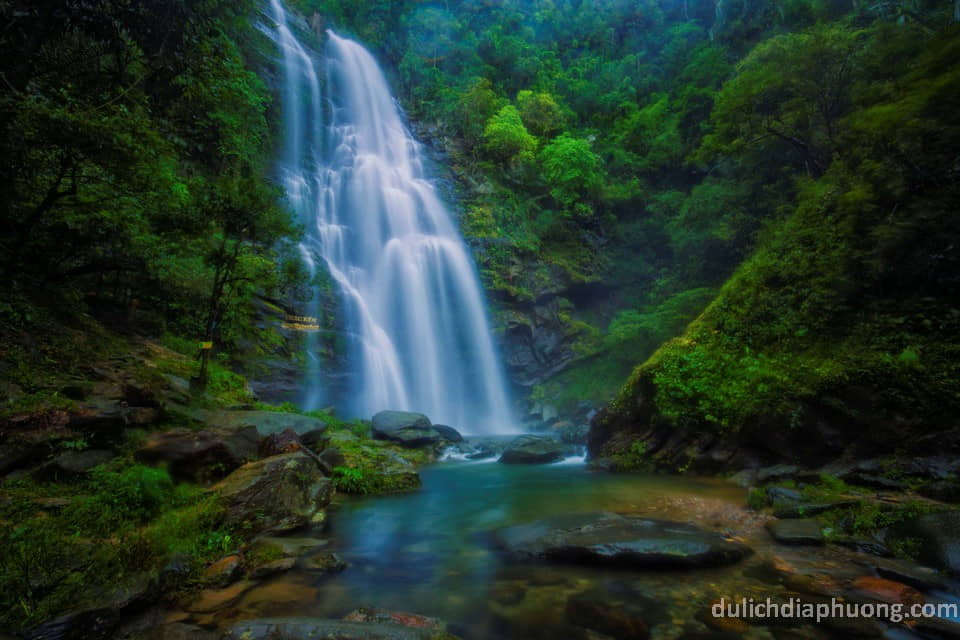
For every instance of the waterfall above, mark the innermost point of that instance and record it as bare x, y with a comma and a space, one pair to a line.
418, 334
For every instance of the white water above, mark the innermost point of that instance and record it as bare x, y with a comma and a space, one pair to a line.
419, 335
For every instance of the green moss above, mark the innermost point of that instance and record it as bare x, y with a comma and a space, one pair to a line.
124, 522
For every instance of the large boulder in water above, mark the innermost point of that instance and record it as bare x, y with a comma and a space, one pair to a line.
609, 539
280, 493
406, 428
532, 450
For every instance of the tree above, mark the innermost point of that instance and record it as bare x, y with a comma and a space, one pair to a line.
540, 113
506, 138
572, 170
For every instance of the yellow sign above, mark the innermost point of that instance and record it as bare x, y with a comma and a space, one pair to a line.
206, 345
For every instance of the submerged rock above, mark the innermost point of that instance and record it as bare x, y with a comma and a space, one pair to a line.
620, 618
532, 450
406, 428
604, 538
280, 493
314, 628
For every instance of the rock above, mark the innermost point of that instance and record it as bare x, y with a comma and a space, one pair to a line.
886, 591
777, 495
874, 481
280, 493
942, 490
73, 464
574, 434
808, 509
215, 599
939, 628
621, 620
864, 545
268, 569
604, 538
276, 444
922, 578
413, 620
939, 538
405, 428
316, 628
507, 593
323, 562
265, 422
223, 571
315, 440
532, 450
285, 547
99, 622
776, 472
448, 433
486, 448
202, 455
801, 531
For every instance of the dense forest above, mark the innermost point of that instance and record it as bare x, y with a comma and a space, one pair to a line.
716, 236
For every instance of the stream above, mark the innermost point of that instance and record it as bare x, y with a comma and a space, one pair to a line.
428, 553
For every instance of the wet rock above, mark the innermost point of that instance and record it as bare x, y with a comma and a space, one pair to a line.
532, 450
922, 578
886, 590
280, 493
406, 428
864, 545
486, 448
73, 464
202, 455
776, 472
272, 568
874, 481
215, 599
939, 628
323, 562
620, 620
223, 571
314, 628
265, 422
448, 433
574, 433
286, 547
603, 538
382, 616
777, 495
801, 531
507, 594
275, 444
939, 537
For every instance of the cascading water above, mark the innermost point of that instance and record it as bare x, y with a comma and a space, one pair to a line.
412, 304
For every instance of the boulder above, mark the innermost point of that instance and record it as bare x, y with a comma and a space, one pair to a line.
280, 493
405, 428
609, 539
315, 440
413, 620
620, 618
73, 464
799, 531
574, 433
222, 572
448, 433
275, 444
202, 455
313, 628
530, 449
939, 537
886, 590
323, 562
